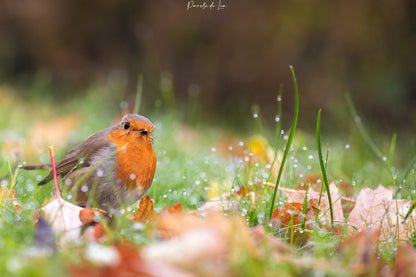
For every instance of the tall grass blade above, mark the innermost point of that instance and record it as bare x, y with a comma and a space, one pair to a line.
289, 141
321, 163
361, 129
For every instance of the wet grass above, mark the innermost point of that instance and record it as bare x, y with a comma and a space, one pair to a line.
194, 161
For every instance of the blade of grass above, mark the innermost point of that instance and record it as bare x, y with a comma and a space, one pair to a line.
321, 163
404, 178
391, 150
361, 129
289, 141
303, 223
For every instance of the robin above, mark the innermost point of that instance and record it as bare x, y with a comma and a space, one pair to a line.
113, 167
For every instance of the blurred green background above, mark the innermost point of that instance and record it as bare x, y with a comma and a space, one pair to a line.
227, 60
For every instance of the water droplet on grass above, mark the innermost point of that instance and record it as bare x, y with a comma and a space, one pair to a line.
84, 188
255, 115
277, 119
100, 173
347, 146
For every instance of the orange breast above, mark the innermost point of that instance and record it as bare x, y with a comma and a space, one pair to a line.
136, 160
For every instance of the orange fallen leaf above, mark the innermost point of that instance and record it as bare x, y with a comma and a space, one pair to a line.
292, 214
145, 211
174, 209
299, 197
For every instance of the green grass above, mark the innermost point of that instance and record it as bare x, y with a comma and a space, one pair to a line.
191, 158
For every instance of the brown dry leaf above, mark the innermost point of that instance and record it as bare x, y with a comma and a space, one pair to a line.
405, 262
145, 211
119, 261
360, 255
213, 242
378, 210
299, 196
93, 219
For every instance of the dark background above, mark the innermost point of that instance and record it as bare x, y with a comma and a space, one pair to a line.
229, 59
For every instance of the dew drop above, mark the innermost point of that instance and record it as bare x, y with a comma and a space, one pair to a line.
277, 119
213, 149
304, 148
384, 158
68, 182
310, 157
124, 105
278, 99
197, 182
100, 173
347, 146
29, 187
84, 188
132, 176
241, 143
255, 115
230, 148
268, 166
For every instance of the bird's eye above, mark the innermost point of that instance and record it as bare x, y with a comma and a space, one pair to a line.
143, 131
126, 125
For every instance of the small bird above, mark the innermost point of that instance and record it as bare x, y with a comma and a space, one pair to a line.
113, 167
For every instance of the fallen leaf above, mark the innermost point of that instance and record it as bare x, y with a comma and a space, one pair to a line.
405, 262
360, 255
145, 211
299, 196
64, 218
93, 218
119, 261
67, 219
376, 209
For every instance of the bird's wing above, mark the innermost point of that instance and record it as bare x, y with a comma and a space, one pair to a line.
81, 156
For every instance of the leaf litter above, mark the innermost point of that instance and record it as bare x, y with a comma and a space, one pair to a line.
208, 240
